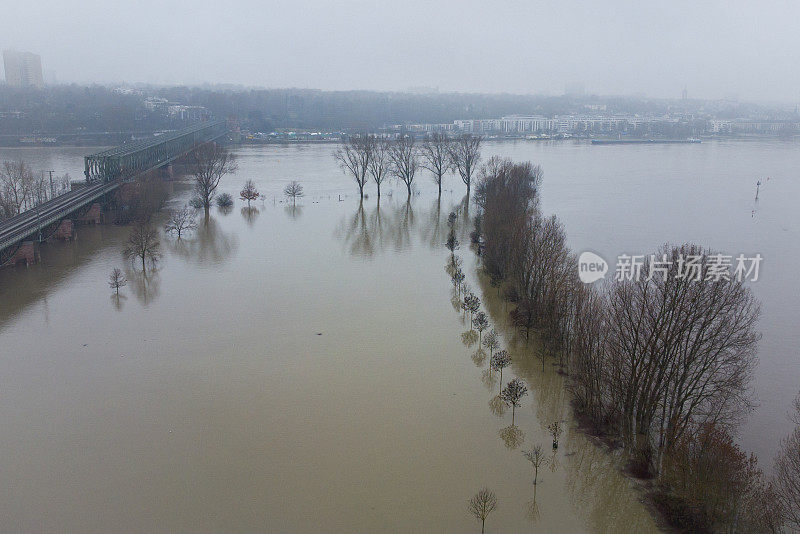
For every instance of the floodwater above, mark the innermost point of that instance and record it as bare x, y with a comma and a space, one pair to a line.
303, 369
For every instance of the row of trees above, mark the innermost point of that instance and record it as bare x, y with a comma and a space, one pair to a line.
661, 364
510, 395
366, 157
22, 189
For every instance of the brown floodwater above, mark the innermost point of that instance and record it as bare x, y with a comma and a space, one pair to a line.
304, 369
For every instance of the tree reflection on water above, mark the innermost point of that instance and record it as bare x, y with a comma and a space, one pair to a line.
250, 214
146, 285
512, 436
209, 244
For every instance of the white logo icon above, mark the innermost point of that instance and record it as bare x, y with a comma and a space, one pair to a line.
591, 267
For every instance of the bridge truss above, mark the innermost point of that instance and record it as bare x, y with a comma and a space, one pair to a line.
130, 159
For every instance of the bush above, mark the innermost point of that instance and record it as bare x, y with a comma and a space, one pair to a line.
224, 201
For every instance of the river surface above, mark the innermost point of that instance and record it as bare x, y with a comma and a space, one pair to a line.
303, 369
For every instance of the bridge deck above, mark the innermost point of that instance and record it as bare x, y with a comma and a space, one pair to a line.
30, 222
105, 172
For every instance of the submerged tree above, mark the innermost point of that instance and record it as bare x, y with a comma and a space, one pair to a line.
481, 505
555, 428
535, 456
458, 279
481, 323
435, 157
513, 393
293, 191
451, 243
465, 153
404, 160
491, 342
379, 163
143, 244
471, 304
223, 201
500, 361
180, 221
117, 280
209, 163
354, 158
249, 192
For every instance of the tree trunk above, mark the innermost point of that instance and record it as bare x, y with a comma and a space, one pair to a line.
440, 186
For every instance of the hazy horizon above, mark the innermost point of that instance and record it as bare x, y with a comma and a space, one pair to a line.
716, 50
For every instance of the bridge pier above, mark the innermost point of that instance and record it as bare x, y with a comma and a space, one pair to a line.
93, 216
65, 231
26, 254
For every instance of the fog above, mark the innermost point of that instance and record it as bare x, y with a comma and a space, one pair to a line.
714, 49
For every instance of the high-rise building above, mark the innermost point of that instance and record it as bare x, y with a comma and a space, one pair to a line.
23, 69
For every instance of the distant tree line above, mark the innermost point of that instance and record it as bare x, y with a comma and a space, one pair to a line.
75, 109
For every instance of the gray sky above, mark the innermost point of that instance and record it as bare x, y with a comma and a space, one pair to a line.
714, 48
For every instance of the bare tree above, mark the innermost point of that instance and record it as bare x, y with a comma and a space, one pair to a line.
481, 323
117, 280
491, 342
680, 351
249, 192
435, 157
535, 456
465, 154
143, 244
293, 191
555, 428
354, 158
481, 505
180, 221
404, 160
513, 393
16, 182
471, 304
500, 361
209, 163
787, 473
451, 243
379, 163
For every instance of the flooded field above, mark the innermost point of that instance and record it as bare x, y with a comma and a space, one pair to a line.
303, 369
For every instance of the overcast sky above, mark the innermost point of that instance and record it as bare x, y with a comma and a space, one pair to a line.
713, 48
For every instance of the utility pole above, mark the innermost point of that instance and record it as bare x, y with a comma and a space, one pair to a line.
52, 190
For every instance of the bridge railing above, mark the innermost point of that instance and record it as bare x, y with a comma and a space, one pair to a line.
133, 158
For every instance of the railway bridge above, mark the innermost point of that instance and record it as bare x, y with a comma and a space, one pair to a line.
105, 171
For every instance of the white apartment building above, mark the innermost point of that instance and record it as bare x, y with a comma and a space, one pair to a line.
23, 69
